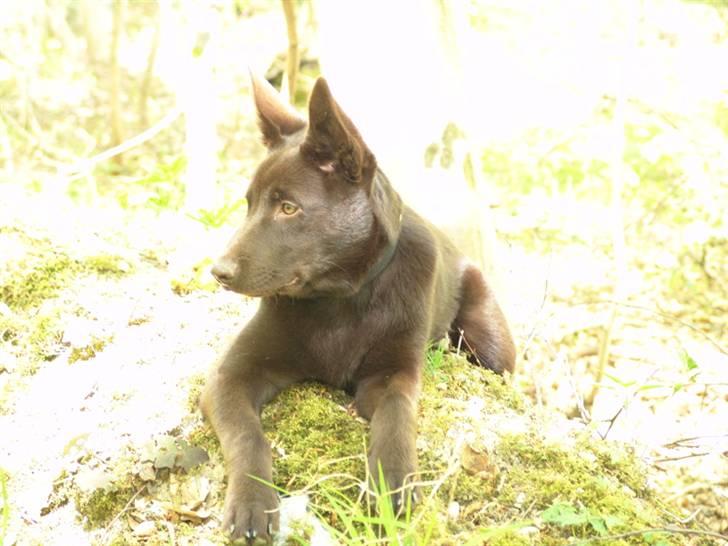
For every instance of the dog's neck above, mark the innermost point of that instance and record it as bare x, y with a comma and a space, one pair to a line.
381, 264
389, 214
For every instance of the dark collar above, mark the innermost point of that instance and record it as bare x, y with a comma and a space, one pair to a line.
381, 264
384, 193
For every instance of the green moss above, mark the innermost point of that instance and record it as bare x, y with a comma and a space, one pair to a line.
107, 264
44, 329
464, 380
38, 277
102, 505
44, 269
32, 339
319, 445
589, 475
89, 351
203, 436
198, 278
509, 538
196, 384
313, 436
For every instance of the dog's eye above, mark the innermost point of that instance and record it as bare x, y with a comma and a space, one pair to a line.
288, 208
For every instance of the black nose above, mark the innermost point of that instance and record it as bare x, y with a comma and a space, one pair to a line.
223, 271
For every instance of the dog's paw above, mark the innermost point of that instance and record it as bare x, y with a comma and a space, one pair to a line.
398, 490
404, 496
251, 521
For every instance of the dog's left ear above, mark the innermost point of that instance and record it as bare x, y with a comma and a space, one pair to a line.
333, 142
276, 118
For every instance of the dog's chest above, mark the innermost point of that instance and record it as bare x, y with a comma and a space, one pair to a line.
337, 341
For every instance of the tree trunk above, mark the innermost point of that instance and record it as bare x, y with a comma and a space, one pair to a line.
289, 8
117, 135
149, 72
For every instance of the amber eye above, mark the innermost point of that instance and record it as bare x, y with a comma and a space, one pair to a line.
288, 208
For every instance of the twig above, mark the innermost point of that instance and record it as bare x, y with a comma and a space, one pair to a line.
674, 530
35, 139
603, 356
583, 412
611, 422
662, 314
680, 442
532, 333
624, 405
680, 458
107, 530
82, 167
693, 442
693, 488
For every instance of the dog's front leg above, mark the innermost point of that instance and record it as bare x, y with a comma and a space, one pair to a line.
232, 401
389, 400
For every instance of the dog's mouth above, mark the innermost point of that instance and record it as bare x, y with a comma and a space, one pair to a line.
285, 289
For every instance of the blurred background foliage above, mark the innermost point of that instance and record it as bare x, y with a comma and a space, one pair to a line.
588, 138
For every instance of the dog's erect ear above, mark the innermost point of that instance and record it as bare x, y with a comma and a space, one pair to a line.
276, 118
333, 142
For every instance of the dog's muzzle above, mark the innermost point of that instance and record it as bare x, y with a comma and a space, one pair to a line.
224, 271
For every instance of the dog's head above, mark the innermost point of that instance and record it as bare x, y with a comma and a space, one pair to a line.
321, 217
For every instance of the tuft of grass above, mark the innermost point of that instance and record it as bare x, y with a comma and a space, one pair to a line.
374, 521
435, 357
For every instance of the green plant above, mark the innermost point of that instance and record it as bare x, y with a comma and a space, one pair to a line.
369, 519
161, 189
215, 218
564, 514
435, 357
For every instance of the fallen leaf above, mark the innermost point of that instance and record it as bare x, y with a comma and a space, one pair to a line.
477, 463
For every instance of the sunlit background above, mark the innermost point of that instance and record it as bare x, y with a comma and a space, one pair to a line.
577, 150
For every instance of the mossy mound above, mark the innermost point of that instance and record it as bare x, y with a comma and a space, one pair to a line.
34, 272
35, 269
492, 471
314, 435
489, 469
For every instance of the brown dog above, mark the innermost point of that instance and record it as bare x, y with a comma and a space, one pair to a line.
353, 285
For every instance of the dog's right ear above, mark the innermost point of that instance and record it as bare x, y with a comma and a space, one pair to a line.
332, 140
275, 117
